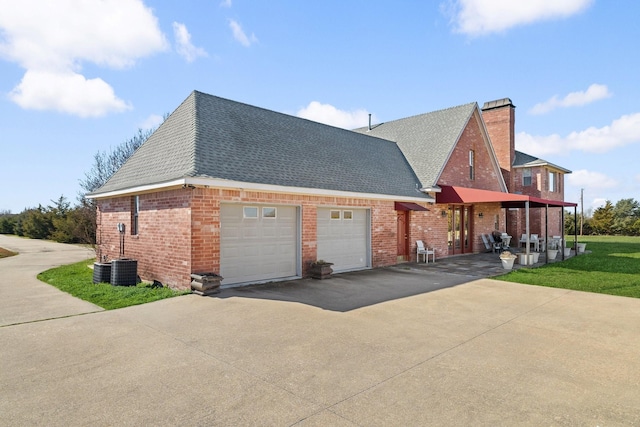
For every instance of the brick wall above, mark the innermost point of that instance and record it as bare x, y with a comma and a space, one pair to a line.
180, 229
456, 171
500, 124
163, 243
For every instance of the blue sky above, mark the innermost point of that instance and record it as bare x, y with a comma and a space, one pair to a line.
81, 77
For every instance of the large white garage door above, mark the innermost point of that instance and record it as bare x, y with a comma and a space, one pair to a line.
257, 242
343, 238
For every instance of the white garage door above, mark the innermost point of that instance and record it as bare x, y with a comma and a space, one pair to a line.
257, 242
343, 238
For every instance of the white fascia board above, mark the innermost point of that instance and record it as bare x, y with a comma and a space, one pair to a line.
269, 188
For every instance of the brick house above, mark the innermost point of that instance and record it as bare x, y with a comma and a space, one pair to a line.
256, 195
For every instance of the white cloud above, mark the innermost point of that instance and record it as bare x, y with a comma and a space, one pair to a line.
593, 93
589, 179
51, 41
225, 3
621, 132
480, 17
240, 35
152, 122
330, 115
66, 92
184, 47
598, 202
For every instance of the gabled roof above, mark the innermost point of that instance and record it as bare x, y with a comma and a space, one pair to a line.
427, 140
523, 160
214, 138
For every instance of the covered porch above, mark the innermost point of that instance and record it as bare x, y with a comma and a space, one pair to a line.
457, 196
479, 265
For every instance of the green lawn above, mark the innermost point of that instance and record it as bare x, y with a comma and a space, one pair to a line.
77, 280
613, 268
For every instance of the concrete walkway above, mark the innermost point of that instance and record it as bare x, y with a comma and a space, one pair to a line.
23, 298
375, 348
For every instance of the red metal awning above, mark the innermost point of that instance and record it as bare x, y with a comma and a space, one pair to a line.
407, 206
452, 194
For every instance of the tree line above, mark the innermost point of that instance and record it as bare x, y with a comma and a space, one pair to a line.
621, 219
62, 222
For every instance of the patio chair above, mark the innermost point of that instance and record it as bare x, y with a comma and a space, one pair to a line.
425, 252
496, 246
487, 245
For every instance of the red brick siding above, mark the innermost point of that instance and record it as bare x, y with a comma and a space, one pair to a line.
180, 229
539, 188
500, 124
456, 171
162, 245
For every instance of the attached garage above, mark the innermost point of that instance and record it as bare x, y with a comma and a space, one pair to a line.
258, 242
343, 238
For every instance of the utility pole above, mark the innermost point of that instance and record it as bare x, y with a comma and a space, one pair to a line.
581, 209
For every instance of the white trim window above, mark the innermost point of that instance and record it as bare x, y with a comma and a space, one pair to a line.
526, 177
135, 211
472, 172
250, 212
553, 179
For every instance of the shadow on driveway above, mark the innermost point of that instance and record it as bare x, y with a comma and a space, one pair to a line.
350, 291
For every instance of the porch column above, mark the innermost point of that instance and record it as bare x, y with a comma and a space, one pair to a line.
526, 213
546, 233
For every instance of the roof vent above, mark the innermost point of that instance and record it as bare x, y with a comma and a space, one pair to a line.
369, 121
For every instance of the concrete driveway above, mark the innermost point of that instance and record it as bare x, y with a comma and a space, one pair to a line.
384, 347
23, 298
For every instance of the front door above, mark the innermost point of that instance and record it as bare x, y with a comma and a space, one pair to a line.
404, 253
459, 221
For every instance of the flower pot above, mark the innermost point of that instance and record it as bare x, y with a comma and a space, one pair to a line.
567, 251
552, 253
321, 271
526, 259
507, 263
535, 256
581, 247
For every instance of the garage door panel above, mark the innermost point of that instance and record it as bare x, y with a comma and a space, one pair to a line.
343, 241
268, 246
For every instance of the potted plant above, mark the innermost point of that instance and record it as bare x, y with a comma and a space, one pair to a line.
321, 269
567, 250
535, 256
552, 249
507, 259
581, 247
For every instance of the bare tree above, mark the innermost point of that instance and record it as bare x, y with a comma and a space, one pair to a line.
105, 164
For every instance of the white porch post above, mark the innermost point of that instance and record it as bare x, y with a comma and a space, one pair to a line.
526, 213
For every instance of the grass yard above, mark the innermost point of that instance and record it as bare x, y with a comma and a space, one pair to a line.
613, 268
77, 280
4, 253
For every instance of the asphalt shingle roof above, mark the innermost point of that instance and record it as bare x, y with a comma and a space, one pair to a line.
212, 137
426, 140
527, 161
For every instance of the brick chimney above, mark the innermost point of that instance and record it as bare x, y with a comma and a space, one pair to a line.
500, 119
